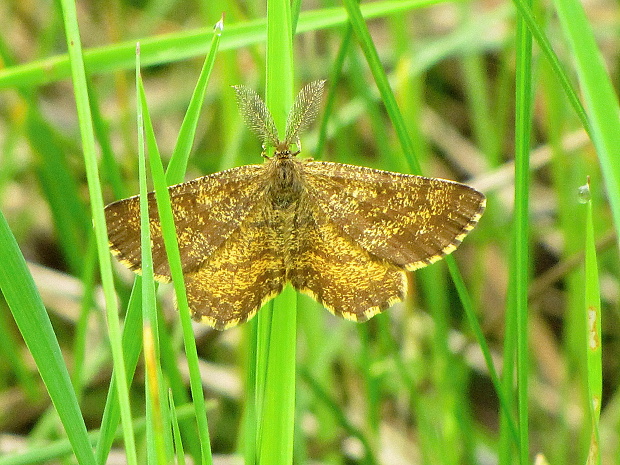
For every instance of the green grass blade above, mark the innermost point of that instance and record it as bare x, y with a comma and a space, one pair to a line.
169, 48
178, 441
94, 187
526, 15
374, 63
592, 316
598, 93
277, 323
174, 174
178, 162
385, 90
21, 295
153, 386
169, 235
520, 263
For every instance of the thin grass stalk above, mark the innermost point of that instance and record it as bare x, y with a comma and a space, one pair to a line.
593, 316
96, 198
363, 35
520, 263
176, 431
150, 338
599, 96
169, 236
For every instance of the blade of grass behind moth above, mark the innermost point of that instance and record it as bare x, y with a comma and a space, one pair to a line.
169, 236
361, 31
277, 323
155, 433
592, 315
22, 297
599, 95
78, 74
525, 13
170, 48
178, 441
178, 162
363, 36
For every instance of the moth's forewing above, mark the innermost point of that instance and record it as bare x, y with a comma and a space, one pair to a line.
409, 221
206, 211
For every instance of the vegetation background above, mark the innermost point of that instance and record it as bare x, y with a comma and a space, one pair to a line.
413, 385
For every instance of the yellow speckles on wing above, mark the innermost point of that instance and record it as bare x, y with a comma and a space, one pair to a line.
410, 221
341, 275
452, 246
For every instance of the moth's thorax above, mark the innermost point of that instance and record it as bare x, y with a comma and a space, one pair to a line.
285, 185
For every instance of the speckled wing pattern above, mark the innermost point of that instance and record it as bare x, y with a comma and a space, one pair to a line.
330, 267
206, 212
245, 272
406, 220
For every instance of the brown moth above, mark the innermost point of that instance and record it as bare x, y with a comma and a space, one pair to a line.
342, 234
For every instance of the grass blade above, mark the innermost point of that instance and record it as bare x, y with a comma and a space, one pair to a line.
169, 48
592, 315
21, 295
385, 90
598, 93
174, 174
520, 262
169, 235
277, 323
155, 432
94, 187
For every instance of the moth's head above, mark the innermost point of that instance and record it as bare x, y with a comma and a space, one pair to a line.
283, 150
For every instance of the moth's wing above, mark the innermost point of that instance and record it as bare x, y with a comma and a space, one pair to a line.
332, 268
409, 221
206, 212
241, 275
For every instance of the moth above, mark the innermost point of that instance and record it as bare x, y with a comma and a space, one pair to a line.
343, 234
